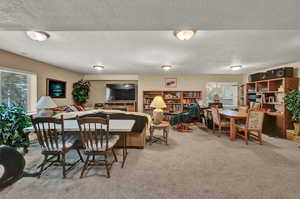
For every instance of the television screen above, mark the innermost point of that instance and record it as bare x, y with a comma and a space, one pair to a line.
56, 88
120, 91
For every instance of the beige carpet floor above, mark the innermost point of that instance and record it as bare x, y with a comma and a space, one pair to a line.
196, 165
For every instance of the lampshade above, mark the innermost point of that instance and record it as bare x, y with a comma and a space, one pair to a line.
45, 102
158, 102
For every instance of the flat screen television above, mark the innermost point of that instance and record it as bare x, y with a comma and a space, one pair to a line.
56, 88
120, 92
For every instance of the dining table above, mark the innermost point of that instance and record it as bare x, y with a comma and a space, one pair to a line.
233, 116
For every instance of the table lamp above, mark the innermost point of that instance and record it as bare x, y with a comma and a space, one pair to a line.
158, 114
45, 104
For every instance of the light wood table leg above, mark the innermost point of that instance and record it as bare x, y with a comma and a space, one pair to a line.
232, 133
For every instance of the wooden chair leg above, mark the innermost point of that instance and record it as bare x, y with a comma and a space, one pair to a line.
79, 154
85, 166
42, 165
63, 163
106, 166
114, 153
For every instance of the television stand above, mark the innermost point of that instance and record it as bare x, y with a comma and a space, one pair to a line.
123, 105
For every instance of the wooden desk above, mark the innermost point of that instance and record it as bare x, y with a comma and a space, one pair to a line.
120, 127
233, 115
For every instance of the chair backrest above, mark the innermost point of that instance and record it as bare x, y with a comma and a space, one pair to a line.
243, 108
50, 133
215, 105
216, 115
255, 120
94, 132
255, 105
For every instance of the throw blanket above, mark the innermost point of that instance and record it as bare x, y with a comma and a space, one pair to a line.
141, 119
186, 117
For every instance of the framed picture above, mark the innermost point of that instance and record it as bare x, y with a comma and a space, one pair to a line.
170, 82
56, 88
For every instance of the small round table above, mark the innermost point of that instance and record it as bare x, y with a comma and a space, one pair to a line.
164, 126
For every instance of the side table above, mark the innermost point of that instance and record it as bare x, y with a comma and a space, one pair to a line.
164, 126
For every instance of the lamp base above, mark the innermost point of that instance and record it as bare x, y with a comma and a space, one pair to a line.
158, 116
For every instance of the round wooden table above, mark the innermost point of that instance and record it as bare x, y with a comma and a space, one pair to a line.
233, 115
164, 126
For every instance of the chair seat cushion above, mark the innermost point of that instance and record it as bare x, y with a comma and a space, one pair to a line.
69, 142
225, 122
112, 140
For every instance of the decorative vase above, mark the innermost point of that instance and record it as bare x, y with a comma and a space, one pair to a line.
297, 129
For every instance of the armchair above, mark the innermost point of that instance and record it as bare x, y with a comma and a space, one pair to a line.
182, 120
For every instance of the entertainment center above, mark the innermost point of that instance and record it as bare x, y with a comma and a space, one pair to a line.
120, 97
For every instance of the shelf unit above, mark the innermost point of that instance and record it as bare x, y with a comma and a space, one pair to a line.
176, 101
271, 93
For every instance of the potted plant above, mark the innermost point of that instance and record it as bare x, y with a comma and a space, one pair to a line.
81, 91
13, 120
292, 99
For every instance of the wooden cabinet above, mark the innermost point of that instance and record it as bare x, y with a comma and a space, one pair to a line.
271, 93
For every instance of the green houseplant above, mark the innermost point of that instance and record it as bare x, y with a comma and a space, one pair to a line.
292, 99
13, 120
81, 91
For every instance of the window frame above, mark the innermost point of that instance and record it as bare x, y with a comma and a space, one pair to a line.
32, 87
235, 94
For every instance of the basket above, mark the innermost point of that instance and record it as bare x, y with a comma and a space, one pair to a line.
290, 134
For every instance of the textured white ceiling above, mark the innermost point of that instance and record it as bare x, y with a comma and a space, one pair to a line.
143, 52
149, 14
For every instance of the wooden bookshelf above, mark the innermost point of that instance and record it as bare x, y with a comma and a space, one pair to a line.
176, 101
271, 93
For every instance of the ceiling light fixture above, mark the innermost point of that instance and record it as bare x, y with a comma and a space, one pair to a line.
37, 35
184, 34
166, 67
237, 67
98, 67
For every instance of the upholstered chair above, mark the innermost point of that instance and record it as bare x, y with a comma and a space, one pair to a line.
253, 126
218, 121
54, 142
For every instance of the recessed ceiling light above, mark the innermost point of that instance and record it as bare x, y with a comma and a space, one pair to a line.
166, 67
37, 35
184, 34
237, 67
98, 67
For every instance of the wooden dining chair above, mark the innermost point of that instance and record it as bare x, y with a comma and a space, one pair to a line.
255, 105
97, 141
243, 108
54, 142
253, 126
218, 121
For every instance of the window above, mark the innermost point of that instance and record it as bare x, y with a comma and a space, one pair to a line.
227, 91
18, 88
